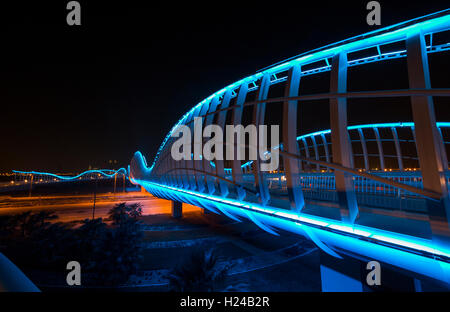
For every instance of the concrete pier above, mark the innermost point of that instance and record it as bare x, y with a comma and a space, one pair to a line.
177, 209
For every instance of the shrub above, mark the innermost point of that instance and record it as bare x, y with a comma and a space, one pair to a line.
123, 212
107, 254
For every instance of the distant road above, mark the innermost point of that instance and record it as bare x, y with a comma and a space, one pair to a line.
79, 207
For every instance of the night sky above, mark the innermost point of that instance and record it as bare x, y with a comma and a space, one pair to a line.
83, 95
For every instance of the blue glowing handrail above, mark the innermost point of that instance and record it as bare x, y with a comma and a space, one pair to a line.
375, 34
360, 230
100, 171
438, 21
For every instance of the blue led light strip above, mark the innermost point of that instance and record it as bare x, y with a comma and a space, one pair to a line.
109, 173
411, 253
413, 244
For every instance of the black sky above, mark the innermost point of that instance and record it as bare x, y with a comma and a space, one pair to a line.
78, 96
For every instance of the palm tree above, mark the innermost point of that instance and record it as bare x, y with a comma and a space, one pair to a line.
122, 212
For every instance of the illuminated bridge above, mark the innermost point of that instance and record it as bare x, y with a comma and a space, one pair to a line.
26, 180
360, 191
48, 177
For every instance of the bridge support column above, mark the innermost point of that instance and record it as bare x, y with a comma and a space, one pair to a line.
177, 209
143, 190
430, 148
205, 211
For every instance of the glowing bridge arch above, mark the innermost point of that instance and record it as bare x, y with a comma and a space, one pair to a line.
370, 191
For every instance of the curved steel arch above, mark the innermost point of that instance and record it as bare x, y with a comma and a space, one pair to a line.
206, 183
428, 24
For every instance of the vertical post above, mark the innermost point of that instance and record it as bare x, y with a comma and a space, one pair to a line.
237, 120
342, 153
195, 139
221, 123
305, 144
259, 111
430, 147
115, 181
290, 145
198, 163
380, 148
364, 148
31, 184
190, 175
444, 151
95, 198
197, 146
316, 152
206, 163
182, 163
325, 147
177, 209
398, 151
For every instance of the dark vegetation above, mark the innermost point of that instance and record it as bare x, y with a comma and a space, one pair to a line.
201, 272
107, 253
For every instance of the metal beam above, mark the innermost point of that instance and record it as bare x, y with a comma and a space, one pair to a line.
429, 145
206, 163
398, 150
291, 166
341, 148
237, 120
221, 120
258, 119
325, 146
444, 151
364, 149
316, 151
187, 162
380, 148
198, 147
